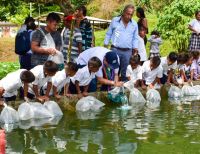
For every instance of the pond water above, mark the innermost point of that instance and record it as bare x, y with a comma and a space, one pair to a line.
169, 129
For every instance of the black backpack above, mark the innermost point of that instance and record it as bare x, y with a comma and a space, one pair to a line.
22, 42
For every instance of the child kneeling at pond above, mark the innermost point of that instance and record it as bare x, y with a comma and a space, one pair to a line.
169, 64
10, 84
61, 80
43, 74
79, 84
151, 72
134, 70
195, 67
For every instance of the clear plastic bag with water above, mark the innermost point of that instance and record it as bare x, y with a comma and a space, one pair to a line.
89, 103
116, 95
39, 110
153, 98
189, 91
25, 111
197, 89
53, 108
136, 97
58, 58
175, 92
9, 115
129, 85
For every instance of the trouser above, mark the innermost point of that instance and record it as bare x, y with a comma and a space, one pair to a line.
124, 57
163, 80
25, 61
11, 98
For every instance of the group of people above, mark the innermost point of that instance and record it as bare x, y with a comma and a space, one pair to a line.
41, 76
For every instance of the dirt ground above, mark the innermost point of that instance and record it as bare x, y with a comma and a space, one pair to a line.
7, 53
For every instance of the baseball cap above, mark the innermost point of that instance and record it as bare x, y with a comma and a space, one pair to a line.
69, 18
112, 59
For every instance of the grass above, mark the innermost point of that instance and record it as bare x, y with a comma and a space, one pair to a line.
165, 48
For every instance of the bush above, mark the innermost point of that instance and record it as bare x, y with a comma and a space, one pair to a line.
173, 22
7, 67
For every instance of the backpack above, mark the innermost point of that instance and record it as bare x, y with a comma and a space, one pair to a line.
22, 42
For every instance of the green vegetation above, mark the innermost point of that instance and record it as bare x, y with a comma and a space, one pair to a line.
173, 22
7, 67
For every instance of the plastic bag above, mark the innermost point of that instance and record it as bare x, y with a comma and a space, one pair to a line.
116, 95
175, 92
197, 89
58, 58
53, 108
89, 103
153, 98
9, 115
136, 97
25, 111
188, 91
39, 111
129, 85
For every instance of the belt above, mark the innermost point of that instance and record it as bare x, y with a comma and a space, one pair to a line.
122, 49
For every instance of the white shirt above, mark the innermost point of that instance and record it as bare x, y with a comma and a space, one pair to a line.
11, 83
99, 52
195, 25
59, 80
150, 75
134, 74
167, 67
83, 76
141, 49
40, 78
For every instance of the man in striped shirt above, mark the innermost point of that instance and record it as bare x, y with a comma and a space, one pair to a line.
76, 40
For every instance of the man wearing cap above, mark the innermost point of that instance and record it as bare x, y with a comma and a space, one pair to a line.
108, 73
76, 39
123, 33
46, 40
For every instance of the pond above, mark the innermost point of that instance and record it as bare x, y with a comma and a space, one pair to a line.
169, 129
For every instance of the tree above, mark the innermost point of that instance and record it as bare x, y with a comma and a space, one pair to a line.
173, 22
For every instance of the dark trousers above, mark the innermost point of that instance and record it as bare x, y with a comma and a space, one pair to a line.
163, 80
29, 95
25, 61
7, 99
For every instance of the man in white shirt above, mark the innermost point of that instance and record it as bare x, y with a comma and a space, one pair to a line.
152, 72
13, 82
109, 60
169, 64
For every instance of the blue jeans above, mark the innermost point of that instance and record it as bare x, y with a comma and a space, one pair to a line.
124, 57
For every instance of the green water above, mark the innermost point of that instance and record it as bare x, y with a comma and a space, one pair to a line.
170, 129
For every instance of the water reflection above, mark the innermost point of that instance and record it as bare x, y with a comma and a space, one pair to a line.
112, 131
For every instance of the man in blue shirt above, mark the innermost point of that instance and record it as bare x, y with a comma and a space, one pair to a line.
123, 33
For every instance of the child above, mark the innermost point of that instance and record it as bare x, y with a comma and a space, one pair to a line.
14, 81
141, 46
195, 68
155, 41
43, 74
169, 64
76, 48
80, 82
185, 70
134, 70
62, 79
152, 72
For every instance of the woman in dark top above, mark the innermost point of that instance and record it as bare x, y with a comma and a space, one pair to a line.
142, 22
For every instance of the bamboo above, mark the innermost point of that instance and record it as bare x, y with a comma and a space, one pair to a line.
70, 41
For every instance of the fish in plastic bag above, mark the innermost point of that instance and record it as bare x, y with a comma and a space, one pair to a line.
175, 92
53, 108
89, 103
129, 85
116, 95
197, 89
189, 91
153, 98
39, 110
25, 111
9, 115
136, 97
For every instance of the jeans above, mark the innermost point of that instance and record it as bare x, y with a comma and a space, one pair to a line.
124, 57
